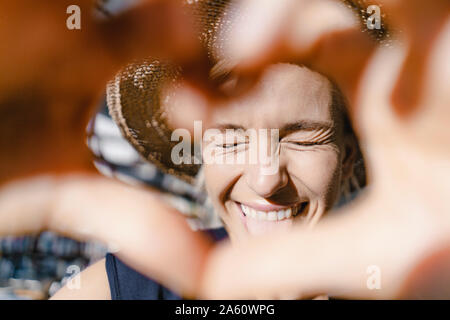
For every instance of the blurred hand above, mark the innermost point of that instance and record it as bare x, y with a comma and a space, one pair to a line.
53, 78
132, 221
399, 106
395, 225
51, 83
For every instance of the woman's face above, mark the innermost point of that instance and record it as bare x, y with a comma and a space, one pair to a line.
250, 198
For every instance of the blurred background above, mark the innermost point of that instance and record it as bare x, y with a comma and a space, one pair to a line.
36, 266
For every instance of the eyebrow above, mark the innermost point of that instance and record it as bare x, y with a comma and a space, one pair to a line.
306, 125
228, 126
302, 125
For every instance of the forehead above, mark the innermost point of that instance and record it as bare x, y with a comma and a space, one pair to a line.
286, 93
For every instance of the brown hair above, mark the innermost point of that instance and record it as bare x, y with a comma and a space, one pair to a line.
340, 105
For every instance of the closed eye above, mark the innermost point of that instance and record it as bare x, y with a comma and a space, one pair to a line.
229, 145
304, 143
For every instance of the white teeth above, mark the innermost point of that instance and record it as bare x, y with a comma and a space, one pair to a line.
280, 215
287, 213
270, 216
261, 215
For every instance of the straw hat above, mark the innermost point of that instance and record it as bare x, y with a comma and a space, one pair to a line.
133, 96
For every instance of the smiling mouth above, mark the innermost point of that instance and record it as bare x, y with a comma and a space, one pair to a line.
275, 215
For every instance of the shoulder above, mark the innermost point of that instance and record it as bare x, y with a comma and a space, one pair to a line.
93, 285
111, 278
128, 284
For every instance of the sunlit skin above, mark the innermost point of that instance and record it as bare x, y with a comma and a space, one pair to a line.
316, 155
404, 217
313, 158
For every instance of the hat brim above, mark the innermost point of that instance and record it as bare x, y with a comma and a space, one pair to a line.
133, 99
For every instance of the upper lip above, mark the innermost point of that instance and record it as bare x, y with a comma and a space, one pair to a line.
270, 207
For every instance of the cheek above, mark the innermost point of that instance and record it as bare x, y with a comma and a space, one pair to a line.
317, 170
219, 178
219, 181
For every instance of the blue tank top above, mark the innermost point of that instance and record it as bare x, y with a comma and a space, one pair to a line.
128, 284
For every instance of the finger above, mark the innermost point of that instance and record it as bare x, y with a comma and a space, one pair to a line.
147, 234
295, 266
428, 278
287, 31
318, 37
381, 128
423, 24
25, 205
157, 28
326, 259
52, 96
324, 35
417, 25
263, 31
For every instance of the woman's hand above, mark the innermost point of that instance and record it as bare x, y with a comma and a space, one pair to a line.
53, 78
403, 131
132, 221
399, 106
51, 82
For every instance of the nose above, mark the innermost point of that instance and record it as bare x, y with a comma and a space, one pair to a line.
266, 184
